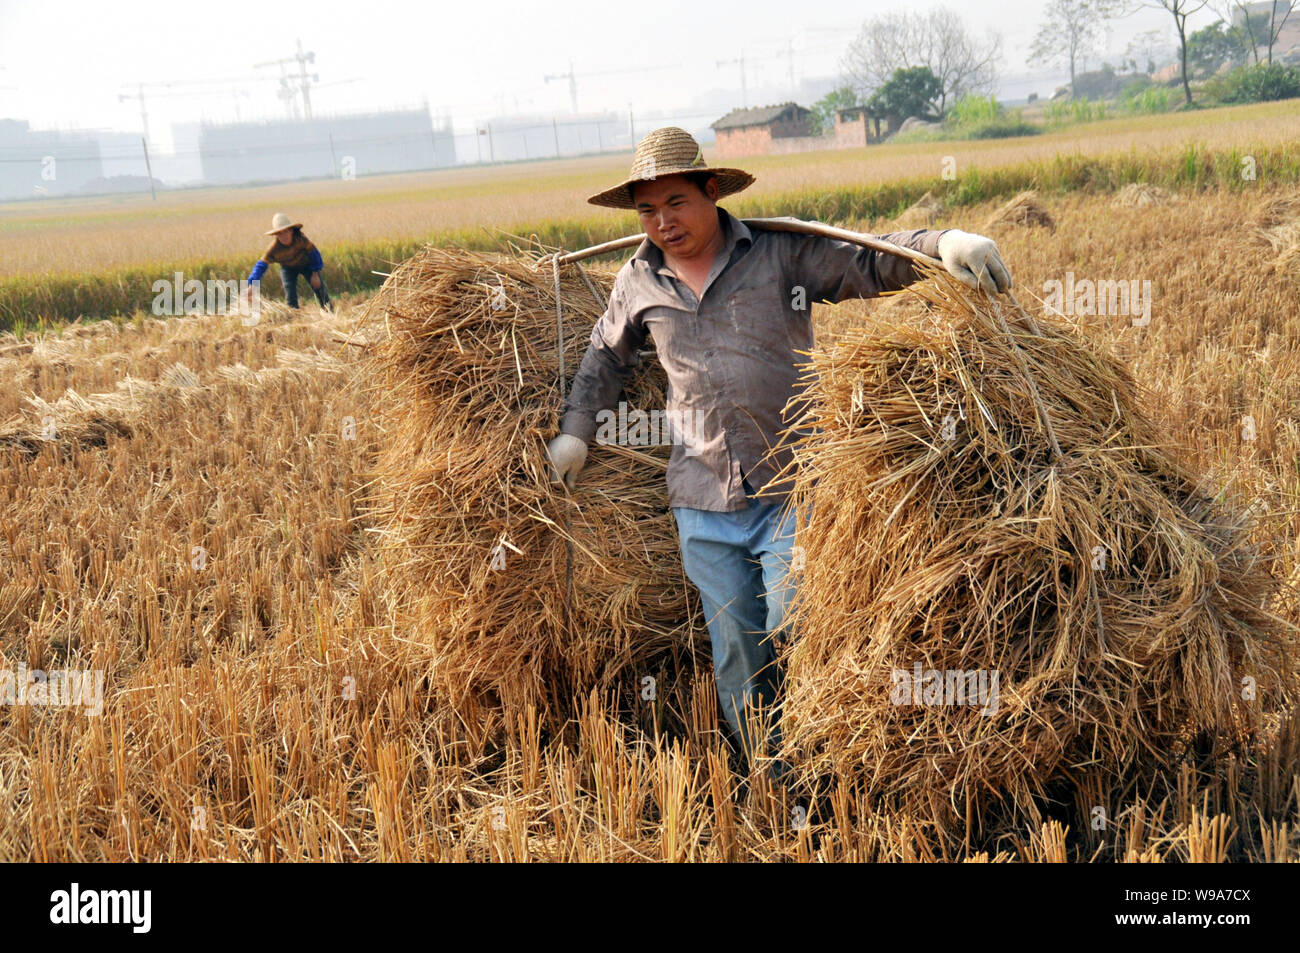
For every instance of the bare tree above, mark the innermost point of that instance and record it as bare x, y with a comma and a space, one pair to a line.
1266, 34
1071, 31
1180, 10
1223, 9
938, 39
1254, 28
1146, 44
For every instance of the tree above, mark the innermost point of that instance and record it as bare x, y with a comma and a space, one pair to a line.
937, 40
1146, 44
1211, 47
1070, 31
824, 110
909, 92
1269, 31
1255, 30
1180, 10
1245, 34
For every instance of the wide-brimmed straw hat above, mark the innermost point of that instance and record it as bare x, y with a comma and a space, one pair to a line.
280, 221
668, 151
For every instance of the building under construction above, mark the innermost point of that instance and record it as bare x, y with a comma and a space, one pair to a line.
345, 146
35, 162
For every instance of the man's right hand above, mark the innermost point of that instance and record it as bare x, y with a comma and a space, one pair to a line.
568, 454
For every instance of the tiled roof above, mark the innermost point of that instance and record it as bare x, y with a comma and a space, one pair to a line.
757, 116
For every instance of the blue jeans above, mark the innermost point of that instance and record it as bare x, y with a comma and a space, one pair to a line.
289, 278
740, 562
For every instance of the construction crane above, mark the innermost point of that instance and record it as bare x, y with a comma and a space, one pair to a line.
788, 53
338, 82
202, 87
303, 79
140, 95
177, 87
572, 77
161, 89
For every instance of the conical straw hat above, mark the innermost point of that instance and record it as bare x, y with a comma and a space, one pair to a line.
280, 221
668, 151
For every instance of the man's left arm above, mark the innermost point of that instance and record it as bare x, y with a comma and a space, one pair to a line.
834, 270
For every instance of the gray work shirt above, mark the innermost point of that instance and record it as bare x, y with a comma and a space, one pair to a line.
731, 354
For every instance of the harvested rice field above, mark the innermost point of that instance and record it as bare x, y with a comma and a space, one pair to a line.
341, 613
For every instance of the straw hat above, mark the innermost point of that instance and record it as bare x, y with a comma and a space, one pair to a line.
280, 222
668, 151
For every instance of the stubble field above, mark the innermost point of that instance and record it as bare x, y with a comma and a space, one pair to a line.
194, 529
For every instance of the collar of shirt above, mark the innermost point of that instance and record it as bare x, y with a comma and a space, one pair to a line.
734, 233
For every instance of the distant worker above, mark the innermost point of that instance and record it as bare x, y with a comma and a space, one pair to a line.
296, 255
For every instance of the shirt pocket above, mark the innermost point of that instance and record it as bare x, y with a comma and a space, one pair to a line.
756, 318
677, 344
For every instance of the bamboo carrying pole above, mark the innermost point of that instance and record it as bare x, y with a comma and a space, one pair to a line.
772, 224
842, 234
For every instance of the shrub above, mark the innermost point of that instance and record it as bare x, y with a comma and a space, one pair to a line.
1064, 112
983, 117
1149, 99
972, 110
1263, 82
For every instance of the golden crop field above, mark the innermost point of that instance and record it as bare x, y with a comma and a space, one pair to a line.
103, 234
192, 528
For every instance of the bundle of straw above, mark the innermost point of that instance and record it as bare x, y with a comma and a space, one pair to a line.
922, 214
1281, 209
76, 420
1023, 209
1117, 604
529, 596
1142, 195
1285, 241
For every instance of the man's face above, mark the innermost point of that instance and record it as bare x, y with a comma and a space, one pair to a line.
678, 218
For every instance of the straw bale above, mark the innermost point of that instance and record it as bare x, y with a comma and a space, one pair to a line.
922, 214
1142, 195
1023, 209
477, 543
1117, 602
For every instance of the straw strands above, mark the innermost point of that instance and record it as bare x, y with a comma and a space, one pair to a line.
1285, 242
89, 420
1142, 195
1278, 219
529, 596
922, 214
1279, 209
1023, 209
1116, 603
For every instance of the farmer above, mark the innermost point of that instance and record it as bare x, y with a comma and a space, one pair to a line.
296, 255
728, 308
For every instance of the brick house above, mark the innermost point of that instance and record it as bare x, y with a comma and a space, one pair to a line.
751, 132
854, 128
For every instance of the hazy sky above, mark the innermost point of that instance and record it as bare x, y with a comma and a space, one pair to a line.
63, 63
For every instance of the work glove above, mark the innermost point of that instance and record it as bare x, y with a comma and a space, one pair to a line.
567, 454
974, 260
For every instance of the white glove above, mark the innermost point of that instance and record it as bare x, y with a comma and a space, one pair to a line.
567, 453
974, 260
